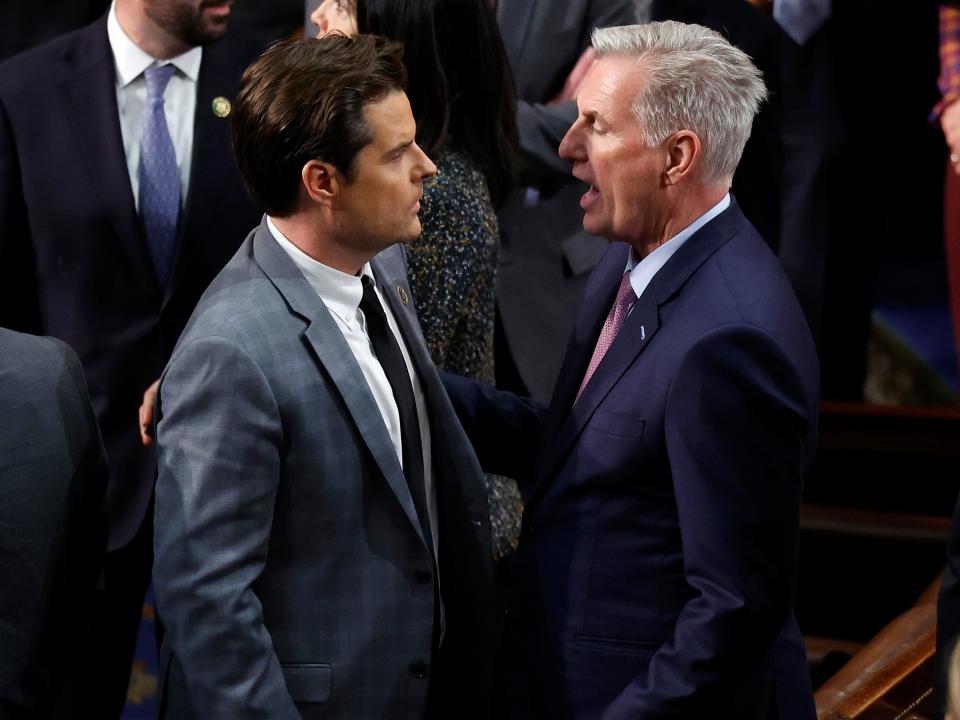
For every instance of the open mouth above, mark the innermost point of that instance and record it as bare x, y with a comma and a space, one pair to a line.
589, 197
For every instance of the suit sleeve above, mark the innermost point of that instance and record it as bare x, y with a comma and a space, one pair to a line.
504, 429
219, 438
737, 423
541, 128
19, 307
53, 531
85, 525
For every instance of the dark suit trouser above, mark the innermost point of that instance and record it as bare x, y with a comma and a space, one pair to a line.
126, 577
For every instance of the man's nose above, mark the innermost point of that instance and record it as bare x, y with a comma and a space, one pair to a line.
429, 169
569, 146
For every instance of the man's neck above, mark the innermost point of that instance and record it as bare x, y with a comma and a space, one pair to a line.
322, 247
683, 214
145, 33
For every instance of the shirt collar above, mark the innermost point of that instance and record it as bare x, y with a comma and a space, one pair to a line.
339, 291
642, 271
132, 61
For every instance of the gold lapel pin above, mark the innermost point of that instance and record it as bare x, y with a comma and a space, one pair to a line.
402, 292
221, 106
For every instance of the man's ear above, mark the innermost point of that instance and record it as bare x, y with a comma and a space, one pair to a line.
684, 152
322, 182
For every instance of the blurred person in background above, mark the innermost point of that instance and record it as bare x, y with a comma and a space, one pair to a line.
546, 255
53, 531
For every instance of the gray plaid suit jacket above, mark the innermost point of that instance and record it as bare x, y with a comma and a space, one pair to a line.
291, 572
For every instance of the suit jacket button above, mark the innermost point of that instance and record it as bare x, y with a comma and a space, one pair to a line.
423, 576
419, 670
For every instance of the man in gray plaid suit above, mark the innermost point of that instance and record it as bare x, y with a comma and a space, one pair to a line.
322, 536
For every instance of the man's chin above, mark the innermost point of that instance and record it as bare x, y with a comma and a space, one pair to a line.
595, 227
413, 235
216, 29
211, 28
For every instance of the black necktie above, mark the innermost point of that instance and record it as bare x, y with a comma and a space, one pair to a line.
387, 350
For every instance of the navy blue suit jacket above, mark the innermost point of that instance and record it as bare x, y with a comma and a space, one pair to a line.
74, 263
656, 569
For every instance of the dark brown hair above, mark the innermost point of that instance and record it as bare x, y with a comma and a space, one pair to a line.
303, 100
460, 88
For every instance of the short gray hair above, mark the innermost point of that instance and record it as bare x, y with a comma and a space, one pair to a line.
696, 80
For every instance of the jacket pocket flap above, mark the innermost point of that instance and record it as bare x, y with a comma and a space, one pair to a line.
307, 682
617, 645
615, 422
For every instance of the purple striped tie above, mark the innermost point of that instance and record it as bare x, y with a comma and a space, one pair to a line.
159, 176
626, 297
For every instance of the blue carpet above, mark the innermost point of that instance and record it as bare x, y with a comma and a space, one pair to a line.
142, 694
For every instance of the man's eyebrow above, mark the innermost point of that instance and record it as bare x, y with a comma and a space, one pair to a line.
398, 147
592, 114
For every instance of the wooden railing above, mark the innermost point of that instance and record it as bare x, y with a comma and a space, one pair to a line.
891, 677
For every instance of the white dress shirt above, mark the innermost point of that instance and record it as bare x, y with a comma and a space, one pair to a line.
341, 293
642, 272
179, 101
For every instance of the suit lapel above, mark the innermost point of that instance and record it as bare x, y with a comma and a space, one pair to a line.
89, 92
391, 277
210, 154
326, 340
597, 300
634, 337
455, 466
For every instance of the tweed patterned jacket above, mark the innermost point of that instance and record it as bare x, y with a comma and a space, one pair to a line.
291, 572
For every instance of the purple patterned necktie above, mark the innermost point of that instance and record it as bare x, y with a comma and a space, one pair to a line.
159, 176
626, 297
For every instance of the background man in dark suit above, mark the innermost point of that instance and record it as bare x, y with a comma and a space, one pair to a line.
53, 532
656, 568
322, 531
540, 227
118, 205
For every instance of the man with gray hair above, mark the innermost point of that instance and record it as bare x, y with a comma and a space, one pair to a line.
656, 569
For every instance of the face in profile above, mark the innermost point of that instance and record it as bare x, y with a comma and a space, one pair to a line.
625, 176
192, 22
335, 16
378, 205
